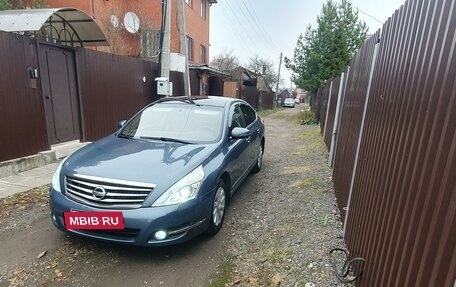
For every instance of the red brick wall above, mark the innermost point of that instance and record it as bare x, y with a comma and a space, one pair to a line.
150, 10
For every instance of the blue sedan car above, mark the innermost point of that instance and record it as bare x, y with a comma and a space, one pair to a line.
169, 172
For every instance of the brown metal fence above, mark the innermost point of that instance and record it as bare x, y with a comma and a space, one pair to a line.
330, 107
21, 103
395, 150
112, 88
266, 100
250, 95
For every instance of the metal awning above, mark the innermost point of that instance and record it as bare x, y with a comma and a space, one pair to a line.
67, 26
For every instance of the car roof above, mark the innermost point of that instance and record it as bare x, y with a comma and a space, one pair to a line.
217, 101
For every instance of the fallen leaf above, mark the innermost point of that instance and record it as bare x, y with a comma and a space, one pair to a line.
277, 280
58, 272
41, 254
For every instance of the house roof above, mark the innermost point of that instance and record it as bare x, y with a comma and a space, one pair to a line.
68, 26
285, 92
209, 70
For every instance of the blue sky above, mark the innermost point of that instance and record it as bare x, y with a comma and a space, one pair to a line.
267, 27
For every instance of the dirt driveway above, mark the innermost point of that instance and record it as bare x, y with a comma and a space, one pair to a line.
278, 230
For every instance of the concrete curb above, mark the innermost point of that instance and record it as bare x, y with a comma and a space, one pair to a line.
18, 165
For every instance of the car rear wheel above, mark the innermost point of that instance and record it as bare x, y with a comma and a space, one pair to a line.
218, 209
259, 161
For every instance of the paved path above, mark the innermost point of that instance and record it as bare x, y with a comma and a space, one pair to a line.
26, 180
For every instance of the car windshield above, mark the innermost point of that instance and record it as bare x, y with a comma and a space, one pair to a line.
179, 122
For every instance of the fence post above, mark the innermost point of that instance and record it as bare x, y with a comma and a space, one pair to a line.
327, 109
336, 121
339, 114
361, 131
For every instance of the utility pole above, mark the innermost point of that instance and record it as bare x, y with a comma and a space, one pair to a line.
278, 80
183, 45
166, 44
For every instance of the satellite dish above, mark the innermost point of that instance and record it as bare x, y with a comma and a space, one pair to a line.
115, 21
131, 22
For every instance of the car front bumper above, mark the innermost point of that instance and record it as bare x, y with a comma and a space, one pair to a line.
181, 221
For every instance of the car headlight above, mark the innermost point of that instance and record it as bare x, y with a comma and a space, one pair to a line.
184, 190
56, 177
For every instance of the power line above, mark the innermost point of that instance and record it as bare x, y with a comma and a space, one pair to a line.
257, 21
242, 26
260, 35
359, 10
236, 33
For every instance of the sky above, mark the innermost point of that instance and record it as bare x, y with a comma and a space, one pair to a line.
267, 27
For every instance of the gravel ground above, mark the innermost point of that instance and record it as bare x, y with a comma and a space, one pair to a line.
292, 221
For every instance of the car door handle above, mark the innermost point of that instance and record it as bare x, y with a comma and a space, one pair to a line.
259, 131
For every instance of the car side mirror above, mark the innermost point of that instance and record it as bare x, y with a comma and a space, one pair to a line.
240, 133
121, 123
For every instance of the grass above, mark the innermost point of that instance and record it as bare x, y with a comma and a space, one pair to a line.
289, 170
308, 143
264, 113
226, 277
325, 219
304, 183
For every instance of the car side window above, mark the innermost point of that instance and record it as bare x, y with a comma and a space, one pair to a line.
237, 120
249, 114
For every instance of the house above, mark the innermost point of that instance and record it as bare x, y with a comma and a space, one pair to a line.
301, 94
133, 27
283, 95
249, 86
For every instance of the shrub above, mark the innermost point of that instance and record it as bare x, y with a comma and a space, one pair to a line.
307, 118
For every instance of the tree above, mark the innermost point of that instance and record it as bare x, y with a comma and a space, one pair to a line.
5, 5
19, 4
225, 61
263, 67
324, 52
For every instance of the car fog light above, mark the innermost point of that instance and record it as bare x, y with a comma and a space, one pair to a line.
160, 235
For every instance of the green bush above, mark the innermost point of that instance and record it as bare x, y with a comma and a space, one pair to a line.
307, 118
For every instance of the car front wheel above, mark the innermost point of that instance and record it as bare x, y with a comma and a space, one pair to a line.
218, 209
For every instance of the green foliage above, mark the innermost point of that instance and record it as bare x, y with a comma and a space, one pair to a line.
5, 5
19, 4
323, 53
226, 276
325, 219
307, 118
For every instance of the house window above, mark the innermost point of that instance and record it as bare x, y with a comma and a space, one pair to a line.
189, 2
190, 48
203, 9
203, 54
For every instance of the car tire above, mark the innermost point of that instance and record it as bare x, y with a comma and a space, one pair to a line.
259, 161
218, 210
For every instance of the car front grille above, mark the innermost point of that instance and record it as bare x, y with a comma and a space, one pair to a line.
106, 193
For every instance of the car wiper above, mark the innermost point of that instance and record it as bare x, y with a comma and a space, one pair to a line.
125, 136
165, 139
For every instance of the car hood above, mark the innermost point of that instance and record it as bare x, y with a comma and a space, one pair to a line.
150, 161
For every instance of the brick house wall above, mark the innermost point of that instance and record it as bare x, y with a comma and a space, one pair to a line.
149, 12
